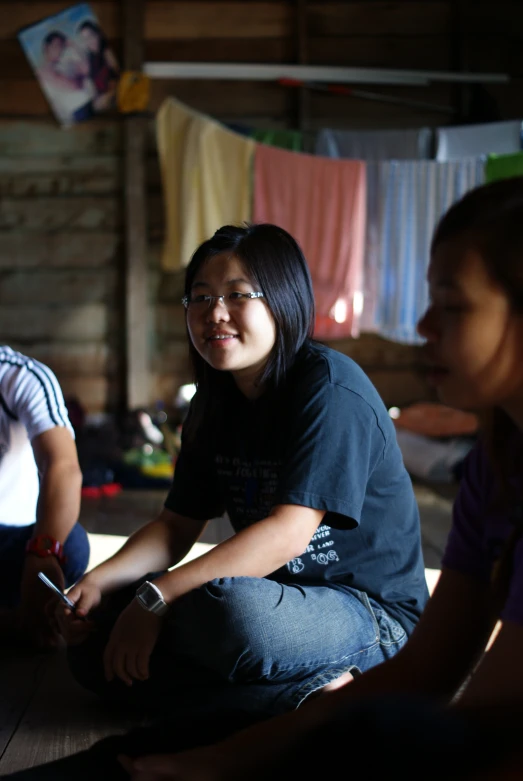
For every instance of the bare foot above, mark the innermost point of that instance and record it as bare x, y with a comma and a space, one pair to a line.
337, 683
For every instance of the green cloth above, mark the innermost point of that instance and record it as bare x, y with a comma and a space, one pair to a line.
503, 166
285, 139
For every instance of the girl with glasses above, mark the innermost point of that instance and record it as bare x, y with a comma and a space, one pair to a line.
324, 576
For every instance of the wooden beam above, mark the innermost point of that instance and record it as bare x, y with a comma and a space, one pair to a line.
73, 286
457, 38
303, 96
175, 20
135, 140
83, 323
64, 250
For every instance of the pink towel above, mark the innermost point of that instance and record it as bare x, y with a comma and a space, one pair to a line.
321, 202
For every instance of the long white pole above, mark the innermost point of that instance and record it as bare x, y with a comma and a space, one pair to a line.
318, 73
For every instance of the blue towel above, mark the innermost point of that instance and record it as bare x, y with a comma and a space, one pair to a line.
405, 201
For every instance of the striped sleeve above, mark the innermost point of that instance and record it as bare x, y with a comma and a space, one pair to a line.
31, 394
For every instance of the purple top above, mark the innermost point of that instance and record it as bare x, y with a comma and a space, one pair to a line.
479, 529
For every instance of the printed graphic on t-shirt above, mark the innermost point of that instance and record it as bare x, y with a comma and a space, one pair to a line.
319, 550
252, 484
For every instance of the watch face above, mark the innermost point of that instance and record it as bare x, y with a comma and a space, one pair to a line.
151, 598
148, 595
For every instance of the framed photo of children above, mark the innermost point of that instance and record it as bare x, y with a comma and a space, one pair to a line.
73, 63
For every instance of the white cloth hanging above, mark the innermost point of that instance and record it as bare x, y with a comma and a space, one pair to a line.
413, 144
455, 143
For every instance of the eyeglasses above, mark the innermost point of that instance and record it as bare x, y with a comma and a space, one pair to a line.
231, 301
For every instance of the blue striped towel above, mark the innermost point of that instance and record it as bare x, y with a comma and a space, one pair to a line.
405, 200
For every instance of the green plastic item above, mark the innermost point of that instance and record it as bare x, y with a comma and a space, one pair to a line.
503, 166
285, 139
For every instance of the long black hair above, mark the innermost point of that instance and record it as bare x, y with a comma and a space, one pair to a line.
95, 28
275, 264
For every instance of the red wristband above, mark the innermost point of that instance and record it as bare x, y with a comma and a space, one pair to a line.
43, 546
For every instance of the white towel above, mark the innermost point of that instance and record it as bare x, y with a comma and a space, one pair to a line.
376, 144
500, 138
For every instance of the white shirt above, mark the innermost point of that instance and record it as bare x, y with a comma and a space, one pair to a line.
31, 402
66, 100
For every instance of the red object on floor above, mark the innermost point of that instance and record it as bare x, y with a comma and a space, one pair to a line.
91, 491
111, 489
95, 491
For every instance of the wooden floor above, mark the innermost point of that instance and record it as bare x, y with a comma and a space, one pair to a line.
44, 714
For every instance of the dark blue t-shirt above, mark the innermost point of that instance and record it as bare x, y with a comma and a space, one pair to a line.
326, 442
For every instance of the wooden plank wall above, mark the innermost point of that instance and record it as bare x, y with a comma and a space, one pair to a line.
61, 191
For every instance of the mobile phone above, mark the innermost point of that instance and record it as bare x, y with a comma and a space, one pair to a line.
65, 599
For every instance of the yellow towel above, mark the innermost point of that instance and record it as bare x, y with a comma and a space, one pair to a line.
207, 179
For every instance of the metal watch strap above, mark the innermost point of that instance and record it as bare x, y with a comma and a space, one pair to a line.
156, 603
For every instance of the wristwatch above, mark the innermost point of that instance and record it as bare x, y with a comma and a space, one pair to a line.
43, 546
151, 598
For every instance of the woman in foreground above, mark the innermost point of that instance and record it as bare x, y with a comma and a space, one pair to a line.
324, 575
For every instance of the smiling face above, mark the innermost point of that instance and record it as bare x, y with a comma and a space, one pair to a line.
474, 339
90, 39
238, 338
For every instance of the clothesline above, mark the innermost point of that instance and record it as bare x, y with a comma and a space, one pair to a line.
424, 143
364, 224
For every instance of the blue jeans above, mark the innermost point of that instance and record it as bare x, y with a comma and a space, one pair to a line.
12, 556
246, 643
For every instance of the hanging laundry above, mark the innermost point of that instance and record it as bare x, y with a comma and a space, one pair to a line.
503, 166
464, 141
376, 144
406, 200
239, 127
321, 202
207, 179
284, 139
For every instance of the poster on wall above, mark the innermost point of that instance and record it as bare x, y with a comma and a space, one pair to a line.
73, 63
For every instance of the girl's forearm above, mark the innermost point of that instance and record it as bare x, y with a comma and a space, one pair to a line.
150, 549
254, 552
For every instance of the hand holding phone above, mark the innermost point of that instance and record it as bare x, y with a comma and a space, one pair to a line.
65, 599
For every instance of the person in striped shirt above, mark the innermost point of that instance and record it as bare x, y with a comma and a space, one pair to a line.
40, 490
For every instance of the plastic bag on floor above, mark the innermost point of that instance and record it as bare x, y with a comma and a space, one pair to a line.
434, 460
